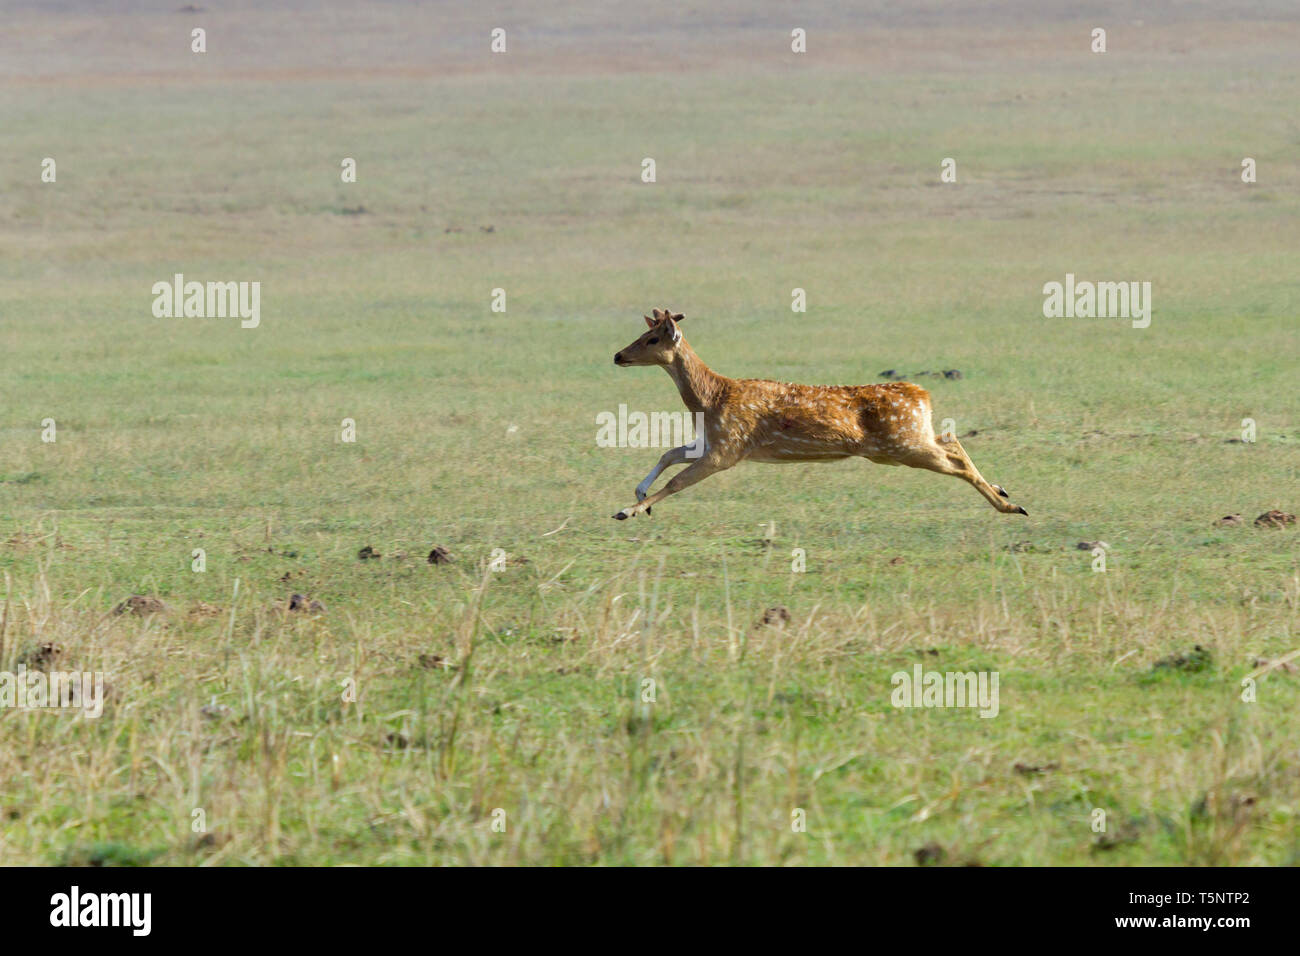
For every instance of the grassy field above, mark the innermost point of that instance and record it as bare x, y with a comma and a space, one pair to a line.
499, 714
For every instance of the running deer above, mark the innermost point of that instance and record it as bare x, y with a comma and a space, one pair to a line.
758, 420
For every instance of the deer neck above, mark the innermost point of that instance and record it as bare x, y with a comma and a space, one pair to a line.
700, 387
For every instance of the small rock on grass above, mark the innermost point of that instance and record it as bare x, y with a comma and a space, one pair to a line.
42, 656
141, 604
301, 602
1274, 519
930, 854
212, 841
1028, 769
894, 375
1197, 659
214, 711
436, 662
1123, 834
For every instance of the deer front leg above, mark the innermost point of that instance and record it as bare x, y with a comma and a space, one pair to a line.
696, 471
675, 456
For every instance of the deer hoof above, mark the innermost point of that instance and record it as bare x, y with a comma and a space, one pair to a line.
1020, 511
1002, 491
620, 517
647, 510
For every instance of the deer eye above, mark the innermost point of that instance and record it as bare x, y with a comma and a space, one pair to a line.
652, 341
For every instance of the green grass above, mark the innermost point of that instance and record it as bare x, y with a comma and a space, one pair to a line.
476, 431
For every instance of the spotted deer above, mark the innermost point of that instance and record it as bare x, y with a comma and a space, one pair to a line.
758, 420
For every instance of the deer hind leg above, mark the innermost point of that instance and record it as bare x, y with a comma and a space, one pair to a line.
698, 470
949, 458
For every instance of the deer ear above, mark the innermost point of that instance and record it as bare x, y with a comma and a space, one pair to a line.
678, 317
649, 321
657, 314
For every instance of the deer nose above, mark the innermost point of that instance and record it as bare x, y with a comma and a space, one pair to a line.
618, 357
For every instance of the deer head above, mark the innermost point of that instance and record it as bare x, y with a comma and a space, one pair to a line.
658, 345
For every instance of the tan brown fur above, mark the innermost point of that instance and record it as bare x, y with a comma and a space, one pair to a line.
766, 421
